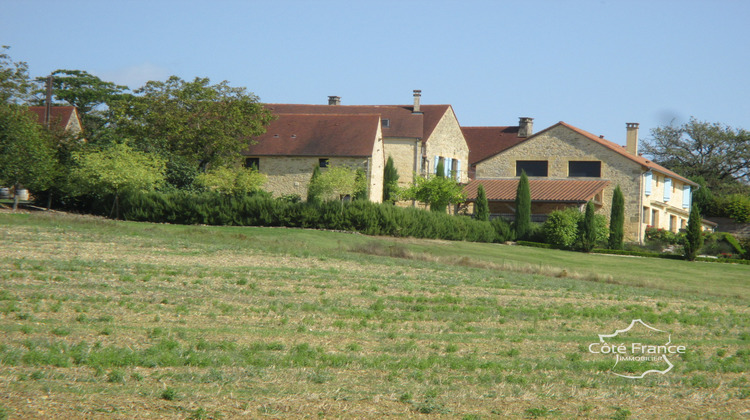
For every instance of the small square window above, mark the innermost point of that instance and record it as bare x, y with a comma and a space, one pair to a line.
252, 162
385, 122
323, 162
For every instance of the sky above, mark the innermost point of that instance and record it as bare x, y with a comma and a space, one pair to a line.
595, 64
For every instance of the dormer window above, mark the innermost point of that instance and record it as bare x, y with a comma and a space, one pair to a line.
385, 123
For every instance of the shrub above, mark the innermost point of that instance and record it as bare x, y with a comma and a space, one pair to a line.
617, 220
587, 229
738, 207
481, 206
561, 228
523, 208
693, 234
502, 229
390, 182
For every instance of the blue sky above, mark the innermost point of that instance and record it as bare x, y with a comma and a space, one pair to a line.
593, 64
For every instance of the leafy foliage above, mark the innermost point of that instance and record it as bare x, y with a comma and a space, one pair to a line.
523, 208
390, 182
587, 229
115, 170
236, 180
15, 84
566, 229
437, 191
206, 124
718, 153
482, 206
335, 183
312, 196
693, 234
617, 220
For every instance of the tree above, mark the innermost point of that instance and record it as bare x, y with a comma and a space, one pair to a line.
440, 169
312, 191
481, 207
335, 183
206, 124
702, 196
617, 220
588, 228
390, 182
87, 93
116, 170
27, 152
15, 84
232, 181
693, 234
718, 153
523, 207
436, 191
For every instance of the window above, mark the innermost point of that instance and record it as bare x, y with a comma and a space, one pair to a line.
531, 167
673, 224
323, 162
252, 162
645, 215
385, 123
655, 218
589, 169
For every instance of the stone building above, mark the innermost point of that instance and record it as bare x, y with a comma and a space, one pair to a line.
416, 136
64, 118
568, 166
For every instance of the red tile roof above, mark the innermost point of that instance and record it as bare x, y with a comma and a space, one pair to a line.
484, 142
61, 115
318, 135
402, 121
549, 190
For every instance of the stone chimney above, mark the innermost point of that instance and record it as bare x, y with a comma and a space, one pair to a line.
334, 100
525, 127
417, 95
631, 140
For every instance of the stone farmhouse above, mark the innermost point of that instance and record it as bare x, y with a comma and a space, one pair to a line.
568, 166
416, 136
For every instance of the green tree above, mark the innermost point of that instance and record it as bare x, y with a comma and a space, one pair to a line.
482, 206
15, 84
617, 220
208, 125
360, 185
440, 169
86, 92
390, 182
312, 190
437, 191
27, 152
116, 170
335, 183
588, 228
232, 181
718, 153
693, 234
523, 207
702, 196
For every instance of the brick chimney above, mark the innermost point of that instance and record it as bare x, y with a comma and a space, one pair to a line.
525, 127
631, 139
417, 96
334, 100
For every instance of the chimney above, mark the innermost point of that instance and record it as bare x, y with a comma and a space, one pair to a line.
48, 103
334, 100
631, 139
417, 96
525, 127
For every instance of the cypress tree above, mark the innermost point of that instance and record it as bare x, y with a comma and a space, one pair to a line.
523, 208
390, 182
693, 234
440, 170
481, 206
617, 220
312, 196
588, 229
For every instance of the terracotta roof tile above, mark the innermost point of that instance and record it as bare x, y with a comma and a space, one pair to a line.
61, 115
318, 135
484, 142
550, 190
402, 122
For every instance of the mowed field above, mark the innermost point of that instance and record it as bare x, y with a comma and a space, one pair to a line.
105, 319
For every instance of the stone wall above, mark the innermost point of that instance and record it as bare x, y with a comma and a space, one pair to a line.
448, 141
558, 146
404, 152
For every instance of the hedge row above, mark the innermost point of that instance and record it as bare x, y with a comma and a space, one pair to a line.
358, 216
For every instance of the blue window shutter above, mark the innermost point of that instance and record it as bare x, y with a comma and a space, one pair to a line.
447, 167
458, 170
434, 168
647, 182
667, 189
686, 196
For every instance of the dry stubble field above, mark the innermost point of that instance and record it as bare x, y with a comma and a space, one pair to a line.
103, 319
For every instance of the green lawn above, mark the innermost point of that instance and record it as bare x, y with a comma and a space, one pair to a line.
115, 319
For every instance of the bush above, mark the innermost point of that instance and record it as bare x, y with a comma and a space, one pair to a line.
262, 210
737, 207
503, 230
561, 228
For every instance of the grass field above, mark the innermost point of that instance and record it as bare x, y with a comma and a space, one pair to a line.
123, 320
